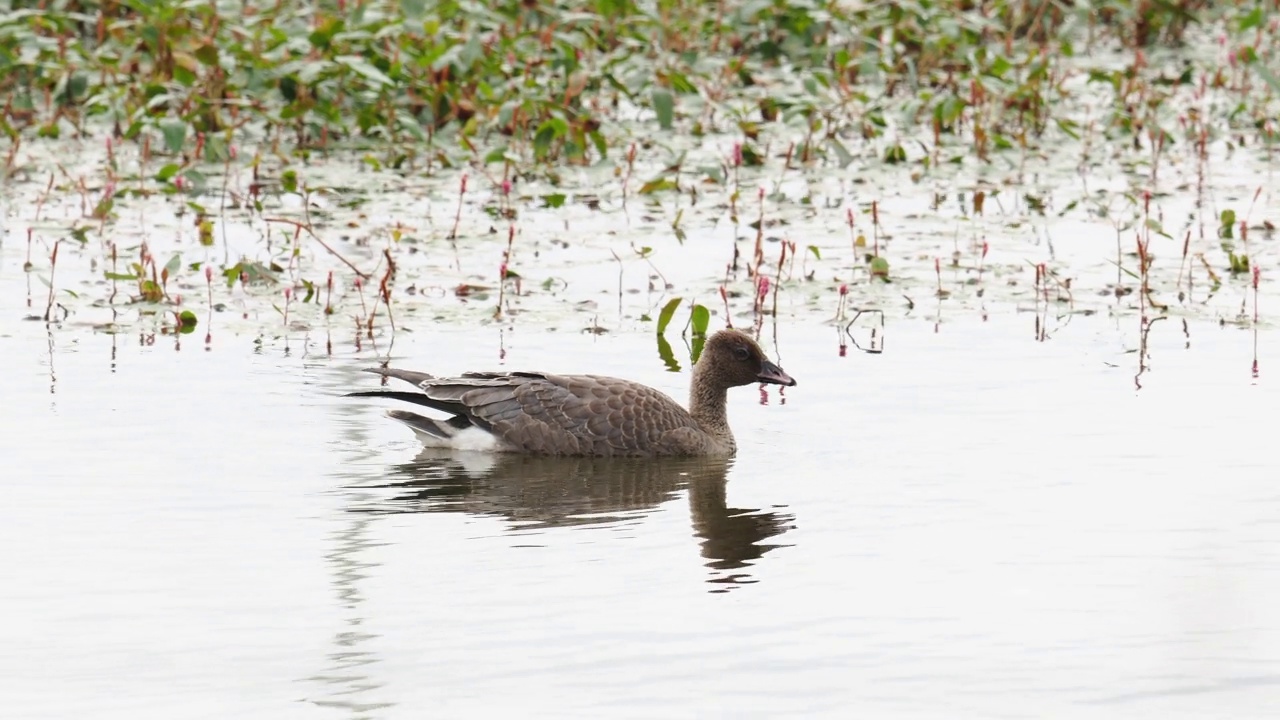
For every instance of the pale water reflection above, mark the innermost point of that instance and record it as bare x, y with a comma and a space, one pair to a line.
538, 493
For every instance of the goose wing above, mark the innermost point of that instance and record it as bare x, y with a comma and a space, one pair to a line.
551, 414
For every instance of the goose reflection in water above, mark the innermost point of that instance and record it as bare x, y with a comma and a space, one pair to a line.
551, 492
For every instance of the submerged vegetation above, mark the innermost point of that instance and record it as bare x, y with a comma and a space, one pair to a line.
802, 129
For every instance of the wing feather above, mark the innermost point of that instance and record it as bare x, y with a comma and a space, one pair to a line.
551, 414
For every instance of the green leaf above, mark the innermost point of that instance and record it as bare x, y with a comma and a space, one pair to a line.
120, 276
657, 185
547, 133
184, 75
362, 67
666, 355
681, 84
186, 321
207, 54
880, 268
664, 105
602, 146
174, 265
167, 172
175, 134
816, 253
665, 315
843, 156
701, 319
196, 180
1252, 20
289, 180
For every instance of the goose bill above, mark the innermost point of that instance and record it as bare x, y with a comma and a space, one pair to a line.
770, 373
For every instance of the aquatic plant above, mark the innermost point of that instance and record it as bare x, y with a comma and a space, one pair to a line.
689, 104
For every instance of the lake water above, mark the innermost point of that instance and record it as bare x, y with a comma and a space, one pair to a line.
972, 523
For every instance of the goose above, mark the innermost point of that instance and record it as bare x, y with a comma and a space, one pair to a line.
540, 413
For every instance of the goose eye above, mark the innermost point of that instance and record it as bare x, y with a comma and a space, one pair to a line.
741, 353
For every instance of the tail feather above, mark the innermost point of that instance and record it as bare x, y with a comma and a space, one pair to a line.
441, 429
416, 398
458, 396
412, 377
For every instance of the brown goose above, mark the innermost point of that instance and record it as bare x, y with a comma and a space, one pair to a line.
585, 415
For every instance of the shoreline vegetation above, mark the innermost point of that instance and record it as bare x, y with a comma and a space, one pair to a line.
184, 95
551, 82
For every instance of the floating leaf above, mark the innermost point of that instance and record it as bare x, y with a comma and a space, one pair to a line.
175, 134
816, 252
658, 185
186, 321
151, 291
1228, 223
880, 268
664, 106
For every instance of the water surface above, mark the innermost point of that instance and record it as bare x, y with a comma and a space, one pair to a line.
969, 524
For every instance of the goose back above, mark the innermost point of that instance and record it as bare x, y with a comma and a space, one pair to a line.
549, 414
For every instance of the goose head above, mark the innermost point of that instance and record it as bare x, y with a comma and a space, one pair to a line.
731, 358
